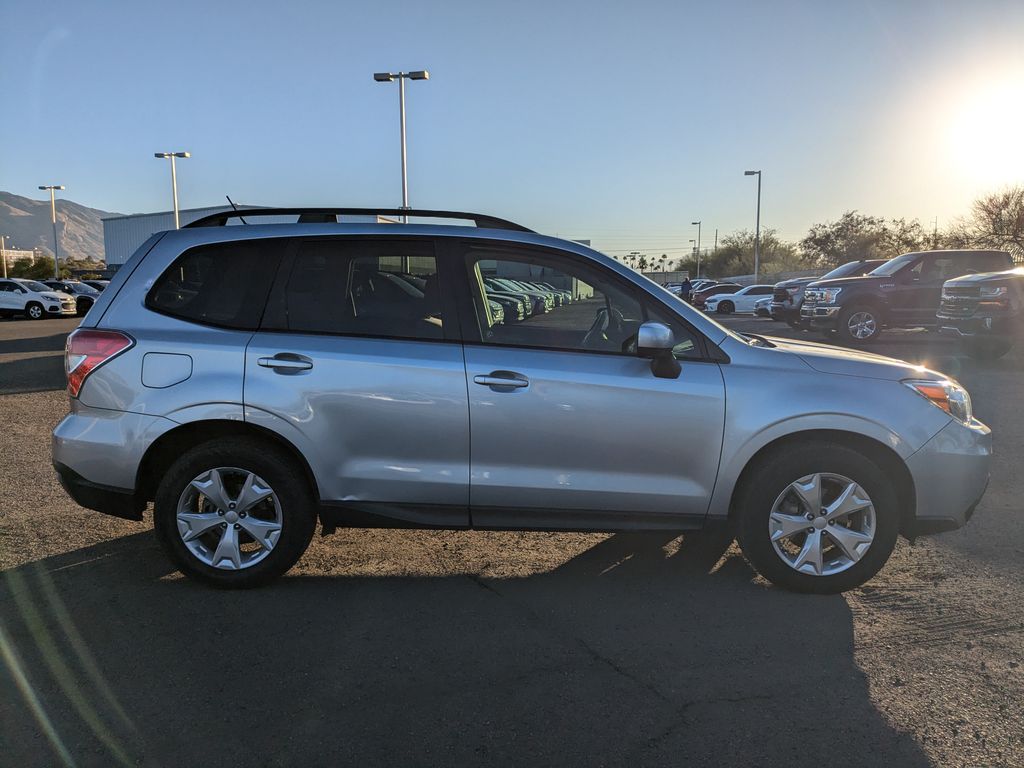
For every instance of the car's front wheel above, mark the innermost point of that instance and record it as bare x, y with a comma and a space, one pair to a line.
819, 517
725, 307
35, 311
859, 324
234, 512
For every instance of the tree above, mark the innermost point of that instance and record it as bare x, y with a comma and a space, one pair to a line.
856, 236
997, 221
40, 269
735, 256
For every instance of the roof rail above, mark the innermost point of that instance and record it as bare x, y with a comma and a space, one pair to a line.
324, 215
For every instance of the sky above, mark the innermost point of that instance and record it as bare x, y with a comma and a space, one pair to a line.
617, 122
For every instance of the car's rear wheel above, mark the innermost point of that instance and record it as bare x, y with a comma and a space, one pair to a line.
725, 307
35, 311
819, 518
234, 513
859, 324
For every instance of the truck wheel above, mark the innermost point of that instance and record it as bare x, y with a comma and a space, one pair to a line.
34, 311
234, 512
988, 349
859, 325
818, 517
725, 307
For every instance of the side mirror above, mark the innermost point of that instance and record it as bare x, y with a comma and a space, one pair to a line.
655, 341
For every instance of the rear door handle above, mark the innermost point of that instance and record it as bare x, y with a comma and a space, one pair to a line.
286, 362
509, 379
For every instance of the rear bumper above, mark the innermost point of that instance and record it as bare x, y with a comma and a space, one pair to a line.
118, 502
950, 474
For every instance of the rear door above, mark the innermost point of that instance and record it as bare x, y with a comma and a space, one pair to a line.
358, 363
10, 296
569, 427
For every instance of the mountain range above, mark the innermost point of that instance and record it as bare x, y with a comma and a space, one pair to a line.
27, 225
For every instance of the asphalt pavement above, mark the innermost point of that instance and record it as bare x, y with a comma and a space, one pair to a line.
485, 648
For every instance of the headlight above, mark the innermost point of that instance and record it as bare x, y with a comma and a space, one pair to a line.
991, 292
947, 395
829, 295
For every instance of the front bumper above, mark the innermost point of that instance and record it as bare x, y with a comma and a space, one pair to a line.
970, 327
63, 309
950, 474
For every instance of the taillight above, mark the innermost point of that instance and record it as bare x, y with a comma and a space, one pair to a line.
87, 349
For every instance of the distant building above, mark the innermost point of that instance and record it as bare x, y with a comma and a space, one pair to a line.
122, 235
14, 255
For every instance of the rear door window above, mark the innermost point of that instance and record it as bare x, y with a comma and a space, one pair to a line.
381, 288
221, 284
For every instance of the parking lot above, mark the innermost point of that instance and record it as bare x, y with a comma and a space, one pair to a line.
427, 648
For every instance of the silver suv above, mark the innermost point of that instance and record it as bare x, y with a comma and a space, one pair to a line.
250, 379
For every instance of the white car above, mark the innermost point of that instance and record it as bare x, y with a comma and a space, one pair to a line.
741, 301
33, 299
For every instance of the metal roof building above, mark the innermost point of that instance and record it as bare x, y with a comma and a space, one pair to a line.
122, 235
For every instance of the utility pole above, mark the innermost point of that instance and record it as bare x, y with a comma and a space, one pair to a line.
935, 235
757, 226
3, 253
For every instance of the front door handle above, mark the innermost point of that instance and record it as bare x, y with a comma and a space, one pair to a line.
508, 379
286, 362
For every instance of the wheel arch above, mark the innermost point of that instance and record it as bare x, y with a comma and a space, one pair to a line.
884, 456
171, 444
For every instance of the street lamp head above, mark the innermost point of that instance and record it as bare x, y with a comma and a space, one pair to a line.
183, 154
52, 186
383, 77
695, 223
751, 173
420, 74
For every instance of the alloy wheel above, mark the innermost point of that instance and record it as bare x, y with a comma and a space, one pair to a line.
822, 524
862, 325
229, 518
35, 312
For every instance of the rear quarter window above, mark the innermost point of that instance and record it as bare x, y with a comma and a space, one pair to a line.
222, 284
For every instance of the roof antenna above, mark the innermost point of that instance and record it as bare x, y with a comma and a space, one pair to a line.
236, 208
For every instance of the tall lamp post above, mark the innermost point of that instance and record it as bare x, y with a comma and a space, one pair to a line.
53, 218
3, 253
757, 226
174, 178
698, 246
388, 77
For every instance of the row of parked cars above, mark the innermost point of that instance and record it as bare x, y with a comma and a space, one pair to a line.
36, 299
974, 295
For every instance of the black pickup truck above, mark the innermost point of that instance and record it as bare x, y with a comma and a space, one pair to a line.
905, 292
788, 295
986, 312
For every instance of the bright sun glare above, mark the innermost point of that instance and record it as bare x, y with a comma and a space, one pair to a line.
985, 133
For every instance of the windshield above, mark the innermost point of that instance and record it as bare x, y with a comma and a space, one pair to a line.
32, 285
893, 266
845, 270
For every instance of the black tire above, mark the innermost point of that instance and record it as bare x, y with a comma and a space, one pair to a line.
726, 307
765, 483
34, 311
869, 314
988, 349
278, 469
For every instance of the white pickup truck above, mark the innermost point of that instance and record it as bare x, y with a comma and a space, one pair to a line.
33, 299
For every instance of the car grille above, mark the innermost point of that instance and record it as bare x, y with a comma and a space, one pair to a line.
958, 306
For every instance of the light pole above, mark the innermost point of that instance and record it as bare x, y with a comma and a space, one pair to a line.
174, 178
3, 253
388, 77
53, 218
698, 246
757, 226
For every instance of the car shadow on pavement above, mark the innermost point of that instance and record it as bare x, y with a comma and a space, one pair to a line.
643, 650
41, 373
52, 343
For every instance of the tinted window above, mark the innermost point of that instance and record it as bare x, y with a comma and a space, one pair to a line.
570, 306
761, 291
225, 284
990, 262
362, 288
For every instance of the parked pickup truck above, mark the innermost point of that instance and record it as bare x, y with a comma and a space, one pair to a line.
902, 293
985, 311
788, 296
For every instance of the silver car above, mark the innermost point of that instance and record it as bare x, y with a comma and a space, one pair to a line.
251, 381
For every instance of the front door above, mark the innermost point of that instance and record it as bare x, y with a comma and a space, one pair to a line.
358, 363
569, 428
